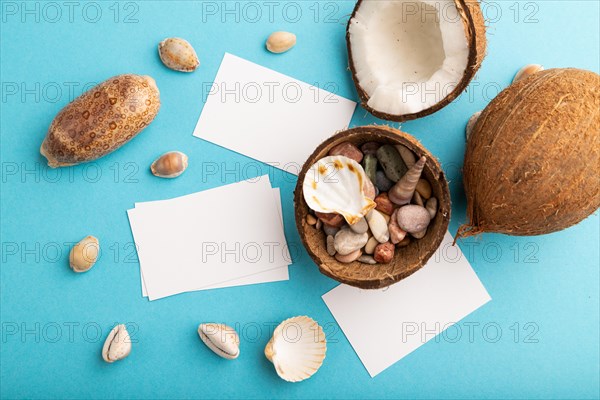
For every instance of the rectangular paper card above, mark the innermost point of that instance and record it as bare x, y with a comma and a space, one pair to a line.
197, 241
434, 298
274, 275
269, 116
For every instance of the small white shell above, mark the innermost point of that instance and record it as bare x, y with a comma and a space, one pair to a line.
117, 345
527, 70
280, 42
221, 339
334, 184
84, 254
178, 54
297, 348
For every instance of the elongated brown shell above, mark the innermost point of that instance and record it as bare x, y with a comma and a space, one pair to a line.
101, 120
407, 260
532, 161
474, 23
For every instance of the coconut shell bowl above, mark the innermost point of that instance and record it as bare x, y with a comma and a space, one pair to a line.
407, 259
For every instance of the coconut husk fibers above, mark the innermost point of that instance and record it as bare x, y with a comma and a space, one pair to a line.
532, 163
474, 23
407, 259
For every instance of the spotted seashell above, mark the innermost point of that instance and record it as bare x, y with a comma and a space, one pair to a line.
178, 54
101, 120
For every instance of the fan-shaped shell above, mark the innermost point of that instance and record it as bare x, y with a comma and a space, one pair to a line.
334, 184
297, 348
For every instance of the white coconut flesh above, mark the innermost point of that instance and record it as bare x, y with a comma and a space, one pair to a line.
407, 55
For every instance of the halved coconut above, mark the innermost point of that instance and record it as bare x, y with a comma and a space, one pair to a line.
410, 58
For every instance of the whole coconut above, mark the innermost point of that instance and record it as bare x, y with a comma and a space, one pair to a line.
532, 161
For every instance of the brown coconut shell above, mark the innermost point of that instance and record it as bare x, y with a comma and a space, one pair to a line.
474, 23
407, 260
532, 162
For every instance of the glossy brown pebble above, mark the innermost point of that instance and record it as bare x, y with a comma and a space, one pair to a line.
384, 252
424, 188
413, 218
384, 204
333, 220
101, 120
348, 258
370, 148
347, 149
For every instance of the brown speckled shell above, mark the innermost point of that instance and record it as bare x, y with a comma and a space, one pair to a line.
101, 120
474, 23
407, 260
532, 162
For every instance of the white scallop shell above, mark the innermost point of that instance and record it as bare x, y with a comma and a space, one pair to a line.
297, 348
334, 184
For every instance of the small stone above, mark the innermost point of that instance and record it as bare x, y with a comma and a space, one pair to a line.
311, 219
370, 166
382, 182
396, 234
319, 224
431, 206
391, 162
386, 217
369, 189
346, 241
366, 259
333, 219
413, 218
360, 227
384, 204
384, 252
416, 199
370, 246
370, 148
330, 230
407, 155
424, 188
404, 242
348, 258
347, 149
330, 248
419, 235
378, 226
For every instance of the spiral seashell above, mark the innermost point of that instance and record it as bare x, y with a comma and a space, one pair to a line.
402, 192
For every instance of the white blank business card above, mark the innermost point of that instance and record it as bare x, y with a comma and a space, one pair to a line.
269, 116
383, 326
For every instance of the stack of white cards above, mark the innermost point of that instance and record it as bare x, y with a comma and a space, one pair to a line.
228, 236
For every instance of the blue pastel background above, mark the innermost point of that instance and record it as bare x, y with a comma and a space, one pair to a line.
537, 338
